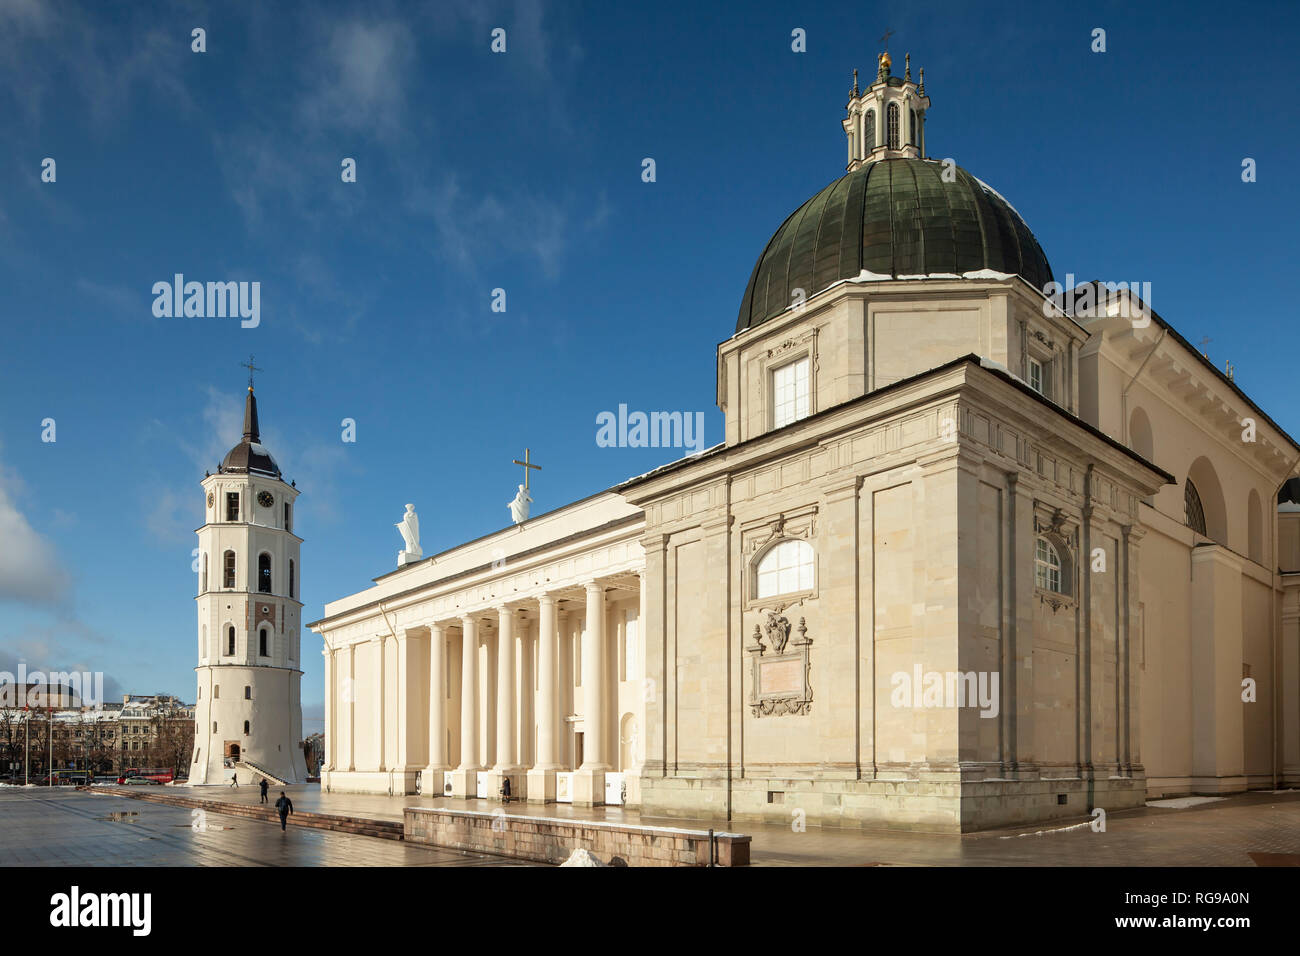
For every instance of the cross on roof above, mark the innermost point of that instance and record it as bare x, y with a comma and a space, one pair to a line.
251, 369
885, 38
527, 464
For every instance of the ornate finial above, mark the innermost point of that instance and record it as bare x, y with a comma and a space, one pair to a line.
251, 369
907, 59
921, 89
855, 84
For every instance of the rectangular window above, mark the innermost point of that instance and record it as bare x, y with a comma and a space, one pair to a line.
230, 569
288, 519
790, 393
1040, 377
232, 506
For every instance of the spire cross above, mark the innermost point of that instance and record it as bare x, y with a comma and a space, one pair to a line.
527, 464
251, 369
885, 38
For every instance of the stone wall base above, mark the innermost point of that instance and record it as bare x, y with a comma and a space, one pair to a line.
550, 840
932, 805
396, 782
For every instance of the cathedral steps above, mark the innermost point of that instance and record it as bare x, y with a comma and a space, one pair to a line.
271, 778
360, 826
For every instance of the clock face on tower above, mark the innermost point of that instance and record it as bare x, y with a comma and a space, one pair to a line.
264, 499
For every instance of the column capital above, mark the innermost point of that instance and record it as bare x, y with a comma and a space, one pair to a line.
594, 586
547, 600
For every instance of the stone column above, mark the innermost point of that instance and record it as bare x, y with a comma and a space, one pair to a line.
432, 784
464, 779
350, 692
541, 779
506, 766
331, 735
589, 781
382, 741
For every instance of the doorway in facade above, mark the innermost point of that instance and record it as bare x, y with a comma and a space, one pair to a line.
232, 750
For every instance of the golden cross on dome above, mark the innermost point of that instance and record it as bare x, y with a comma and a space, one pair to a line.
885, 38
527, 464
251, 369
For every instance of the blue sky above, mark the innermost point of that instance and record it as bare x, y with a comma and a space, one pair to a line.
521, 171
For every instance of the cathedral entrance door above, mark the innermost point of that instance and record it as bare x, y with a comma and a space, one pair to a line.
232, 749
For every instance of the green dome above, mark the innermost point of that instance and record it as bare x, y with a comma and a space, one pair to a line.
892, 217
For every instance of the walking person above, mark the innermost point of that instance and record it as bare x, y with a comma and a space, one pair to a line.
234, 779
264, 788
285, 806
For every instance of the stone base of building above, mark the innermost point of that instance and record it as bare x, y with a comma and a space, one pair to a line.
433, 783
540, 786
588, 788
942, 803
392, 782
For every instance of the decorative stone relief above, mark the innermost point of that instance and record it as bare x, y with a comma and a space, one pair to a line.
779, 669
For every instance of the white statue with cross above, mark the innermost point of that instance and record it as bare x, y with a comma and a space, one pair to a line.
519, 507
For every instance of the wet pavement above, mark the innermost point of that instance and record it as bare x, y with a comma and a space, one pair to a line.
1245, 830
65, 827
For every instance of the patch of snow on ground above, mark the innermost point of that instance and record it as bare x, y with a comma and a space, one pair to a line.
581, 857
1182, 803
1077, 826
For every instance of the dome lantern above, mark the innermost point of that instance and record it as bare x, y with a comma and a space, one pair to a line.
886, 120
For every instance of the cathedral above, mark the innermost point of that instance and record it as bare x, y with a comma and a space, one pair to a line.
968, 556
248, 710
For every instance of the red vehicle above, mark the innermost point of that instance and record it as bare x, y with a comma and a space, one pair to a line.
157, 776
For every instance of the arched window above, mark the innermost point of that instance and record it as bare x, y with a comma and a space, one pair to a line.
291, 577
216, 691
214, 729
869, 132
263, 643
1192, 505
248, 692
264, 573
230, 641
228, 580
892, 115
1047, 566
245, 728
203, 577
911, 128
786, 568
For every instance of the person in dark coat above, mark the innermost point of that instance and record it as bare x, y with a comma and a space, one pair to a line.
285, 806
505, 789
264, 788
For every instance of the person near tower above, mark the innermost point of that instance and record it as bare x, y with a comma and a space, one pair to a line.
264, 786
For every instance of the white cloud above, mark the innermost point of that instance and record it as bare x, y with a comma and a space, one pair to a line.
30, 571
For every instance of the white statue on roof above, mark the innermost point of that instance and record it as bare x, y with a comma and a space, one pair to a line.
519, 507
409, 527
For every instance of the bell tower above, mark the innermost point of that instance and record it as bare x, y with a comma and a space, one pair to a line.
887, 119
248, 709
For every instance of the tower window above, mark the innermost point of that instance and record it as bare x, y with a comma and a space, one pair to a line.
262, 643
232, 506
911, 128
203, 579
288, 518
214, 729
893, 125
790, 393
1047, 566
869, 131
291, 577
230, 641
245, 728
216, 691
228, 578
264, 573
248, 692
